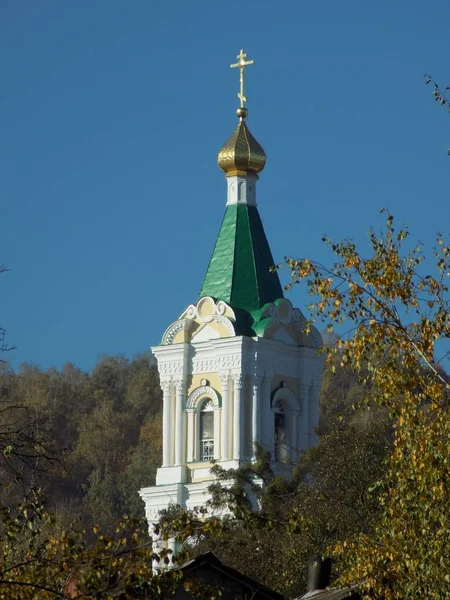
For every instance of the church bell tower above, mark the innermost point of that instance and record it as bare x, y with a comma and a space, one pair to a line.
236, 367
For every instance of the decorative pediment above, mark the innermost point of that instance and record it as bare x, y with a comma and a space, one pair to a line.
281, 322
206, 320
174, 330
207, 309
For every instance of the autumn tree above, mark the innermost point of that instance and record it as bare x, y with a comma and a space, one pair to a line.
440, 96
327, 498
398, 317
44, 554
41, 560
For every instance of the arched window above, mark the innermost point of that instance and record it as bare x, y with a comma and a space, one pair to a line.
207, 431
281, 448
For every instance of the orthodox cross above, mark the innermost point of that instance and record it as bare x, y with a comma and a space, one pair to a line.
242, 64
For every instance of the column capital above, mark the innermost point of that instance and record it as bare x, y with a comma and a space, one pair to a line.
180, 386
238, 381
165, 385
224, 379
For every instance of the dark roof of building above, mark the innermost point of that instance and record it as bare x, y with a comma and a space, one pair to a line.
209, 559
331, 594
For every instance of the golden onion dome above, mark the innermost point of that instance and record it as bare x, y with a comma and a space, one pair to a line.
241, 154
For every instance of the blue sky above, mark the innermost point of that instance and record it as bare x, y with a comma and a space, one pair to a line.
111, 116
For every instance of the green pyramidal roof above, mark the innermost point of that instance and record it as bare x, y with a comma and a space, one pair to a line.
239, 272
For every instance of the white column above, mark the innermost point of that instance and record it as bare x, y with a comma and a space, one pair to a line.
293, 435
179, 422
304, 417
166, 387
256, 413
238, 421
158, 546
217, 414
190, 435
313, 411
266, 414
172, 546
226, 416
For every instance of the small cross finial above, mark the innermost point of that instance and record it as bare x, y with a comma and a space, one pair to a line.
242, 63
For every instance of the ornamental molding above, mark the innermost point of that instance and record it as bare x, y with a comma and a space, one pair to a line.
284, 367
173, 329
225, 321
196, 395
170, 368
204, 365
216, 363
233, 361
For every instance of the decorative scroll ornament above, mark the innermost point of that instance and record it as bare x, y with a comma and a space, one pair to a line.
207, 310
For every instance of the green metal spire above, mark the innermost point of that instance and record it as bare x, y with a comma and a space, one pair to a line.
239, 272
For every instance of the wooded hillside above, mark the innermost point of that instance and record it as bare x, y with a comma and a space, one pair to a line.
104, 428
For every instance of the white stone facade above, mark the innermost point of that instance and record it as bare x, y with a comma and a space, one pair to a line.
245, 382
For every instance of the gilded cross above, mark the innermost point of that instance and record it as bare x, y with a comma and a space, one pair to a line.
242, 63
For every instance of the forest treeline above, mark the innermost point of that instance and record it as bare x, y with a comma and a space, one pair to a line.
89, 440
102, 434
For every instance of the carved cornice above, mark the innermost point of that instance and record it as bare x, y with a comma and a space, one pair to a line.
216, 363
204, 365
233, 361
170, 368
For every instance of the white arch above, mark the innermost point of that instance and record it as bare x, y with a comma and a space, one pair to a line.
196, 395
289, 398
